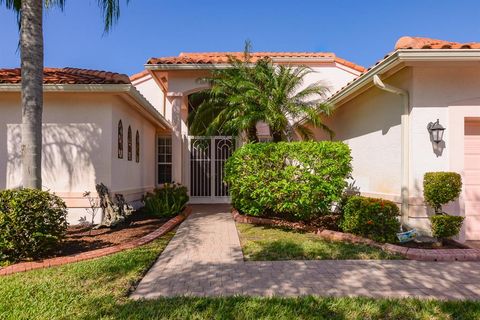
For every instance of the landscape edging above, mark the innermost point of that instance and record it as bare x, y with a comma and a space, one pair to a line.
409, 253
87, 255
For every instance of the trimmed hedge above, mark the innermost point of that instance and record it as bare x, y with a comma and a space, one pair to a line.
445, 226
440, 188
373, 218
290, 180
32, 223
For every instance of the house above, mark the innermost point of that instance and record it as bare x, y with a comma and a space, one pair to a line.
384, 116
194, 159
97, 128
382, 113
131, 133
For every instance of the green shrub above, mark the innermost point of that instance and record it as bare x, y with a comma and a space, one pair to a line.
445, 226
290, 180
32, 223
440, 188
373, 218
166, 201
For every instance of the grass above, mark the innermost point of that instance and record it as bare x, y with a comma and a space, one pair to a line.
272, 243
97, 289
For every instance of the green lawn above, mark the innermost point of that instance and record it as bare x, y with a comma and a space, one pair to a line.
97, 289
272, 243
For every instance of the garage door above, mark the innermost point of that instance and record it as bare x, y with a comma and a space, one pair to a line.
472, 178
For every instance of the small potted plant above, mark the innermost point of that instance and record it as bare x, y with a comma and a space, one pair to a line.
440, 188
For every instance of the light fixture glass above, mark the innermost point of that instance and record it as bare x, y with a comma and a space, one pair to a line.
436, 131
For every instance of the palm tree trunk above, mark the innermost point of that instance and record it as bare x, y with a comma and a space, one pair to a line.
31, 46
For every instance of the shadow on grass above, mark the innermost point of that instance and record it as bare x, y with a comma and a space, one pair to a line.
287, 308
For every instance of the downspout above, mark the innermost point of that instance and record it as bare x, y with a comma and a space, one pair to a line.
405, 140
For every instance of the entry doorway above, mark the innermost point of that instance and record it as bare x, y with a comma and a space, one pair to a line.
207, 168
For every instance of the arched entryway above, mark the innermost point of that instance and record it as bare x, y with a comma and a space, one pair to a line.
207, 157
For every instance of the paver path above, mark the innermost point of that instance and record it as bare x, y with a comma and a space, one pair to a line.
205, 259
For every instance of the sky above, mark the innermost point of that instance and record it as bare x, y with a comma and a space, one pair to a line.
358, 31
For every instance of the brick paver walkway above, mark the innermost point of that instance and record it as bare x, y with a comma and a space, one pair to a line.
205, 259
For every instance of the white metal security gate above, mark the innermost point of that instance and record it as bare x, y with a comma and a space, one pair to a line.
207, 161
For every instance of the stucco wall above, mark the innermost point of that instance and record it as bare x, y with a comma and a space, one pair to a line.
80, 147
448, 93
150, 90
370, 125
129, 177
76, 145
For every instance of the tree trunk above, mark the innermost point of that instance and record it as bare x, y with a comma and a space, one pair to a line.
31, 47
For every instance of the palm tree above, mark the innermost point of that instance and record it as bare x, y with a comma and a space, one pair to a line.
285, 101
229, 106
30, 18
247, 93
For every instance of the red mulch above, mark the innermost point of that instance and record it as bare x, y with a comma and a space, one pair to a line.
81, 238
421, 245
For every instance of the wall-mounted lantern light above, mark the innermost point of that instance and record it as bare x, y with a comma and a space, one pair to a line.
436, 131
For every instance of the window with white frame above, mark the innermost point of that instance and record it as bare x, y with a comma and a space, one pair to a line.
164, 159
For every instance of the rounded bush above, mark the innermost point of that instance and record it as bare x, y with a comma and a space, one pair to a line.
290, 180
445, 226
32, 223
440, 188
373, 218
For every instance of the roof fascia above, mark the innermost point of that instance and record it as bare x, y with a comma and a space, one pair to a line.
396, 59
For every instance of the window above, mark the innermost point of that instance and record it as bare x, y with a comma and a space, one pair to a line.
164, 160
120, 140
137, 147
129, 144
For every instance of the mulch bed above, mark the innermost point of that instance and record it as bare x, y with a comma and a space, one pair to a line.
431, 246
82, 238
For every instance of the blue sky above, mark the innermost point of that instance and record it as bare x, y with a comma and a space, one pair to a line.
359, 31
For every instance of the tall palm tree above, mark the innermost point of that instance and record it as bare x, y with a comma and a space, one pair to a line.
247, 93
30, 18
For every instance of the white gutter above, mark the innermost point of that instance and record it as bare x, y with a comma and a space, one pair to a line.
405, 142
144, 106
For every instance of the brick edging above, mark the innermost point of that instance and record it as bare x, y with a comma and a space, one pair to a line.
58, 261
409, 253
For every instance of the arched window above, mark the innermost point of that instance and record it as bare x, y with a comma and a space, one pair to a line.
137, 147
129, 143
120, 140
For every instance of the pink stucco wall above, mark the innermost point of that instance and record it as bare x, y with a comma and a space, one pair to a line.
80, 147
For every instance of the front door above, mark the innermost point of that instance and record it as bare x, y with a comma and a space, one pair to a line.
207, 161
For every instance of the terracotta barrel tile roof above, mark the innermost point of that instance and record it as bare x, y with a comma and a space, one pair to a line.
223, 58
67, 76
427, 43
406, 43
139, 75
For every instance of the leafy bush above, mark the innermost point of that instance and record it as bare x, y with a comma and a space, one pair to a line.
446, 226
291, 180
440, 188
32, 223
373, 218
166, 201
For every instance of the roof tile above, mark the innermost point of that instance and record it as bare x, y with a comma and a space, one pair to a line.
223, 58
428, 43
68, 76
